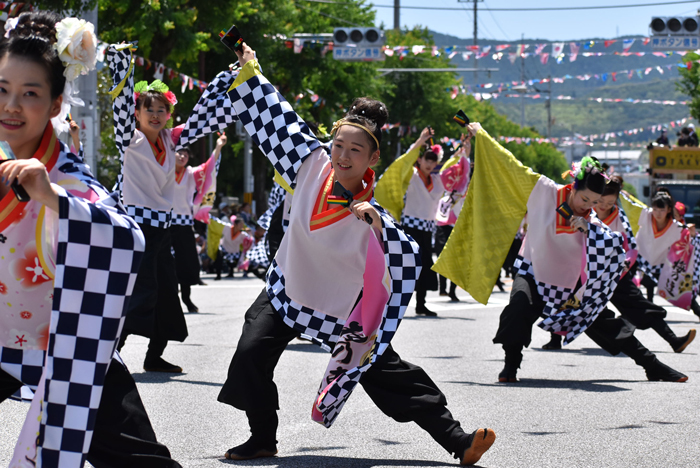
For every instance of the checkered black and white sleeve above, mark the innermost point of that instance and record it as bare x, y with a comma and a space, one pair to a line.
97, 259
123, 106
213, 111
402, 256
276, 129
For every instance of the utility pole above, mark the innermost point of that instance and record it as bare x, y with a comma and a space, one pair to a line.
397, 15
522, 81
476, 65
549, 106
476, 52
86, 117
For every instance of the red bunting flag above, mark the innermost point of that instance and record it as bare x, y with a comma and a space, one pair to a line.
609, 42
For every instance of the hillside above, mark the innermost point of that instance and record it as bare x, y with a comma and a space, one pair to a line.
581, 115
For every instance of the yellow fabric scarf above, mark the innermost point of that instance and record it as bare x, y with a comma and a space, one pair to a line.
392, 186
496, 203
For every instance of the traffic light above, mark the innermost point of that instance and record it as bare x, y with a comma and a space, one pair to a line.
358, 44
675, 26
358, 37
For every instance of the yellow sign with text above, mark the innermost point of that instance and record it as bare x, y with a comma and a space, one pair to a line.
664, 159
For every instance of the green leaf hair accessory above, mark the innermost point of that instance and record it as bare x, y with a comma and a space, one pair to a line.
157, 86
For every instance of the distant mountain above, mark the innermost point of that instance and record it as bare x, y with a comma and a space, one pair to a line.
580, 115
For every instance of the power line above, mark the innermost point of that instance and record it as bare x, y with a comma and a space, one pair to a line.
327, 15
600, 7
494, 20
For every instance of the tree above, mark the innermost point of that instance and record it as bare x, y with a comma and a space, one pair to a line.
690, 82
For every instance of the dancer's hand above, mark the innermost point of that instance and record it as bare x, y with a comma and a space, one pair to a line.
474, 128
360, 209
31, 174
245, 55
579, 223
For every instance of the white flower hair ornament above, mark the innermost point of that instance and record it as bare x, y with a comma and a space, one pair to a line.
10, 24
76, 45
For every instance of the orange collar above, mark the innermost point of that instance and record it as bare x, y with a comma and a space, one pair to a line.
179, 175
611, 217
660, 233
158, 150
562, 225
12, 210
324, 214
427, 180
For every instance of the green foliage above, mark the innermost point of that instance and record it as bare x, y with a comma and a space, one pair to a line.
629, 188
689, 83
184, 35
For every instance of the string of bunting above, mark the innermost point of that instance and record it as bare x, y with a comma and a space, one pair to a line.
161, 71
592, 99
612, 76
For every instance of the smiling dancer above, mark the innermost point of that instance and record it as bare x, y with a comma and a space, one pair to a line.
69, 257
341, 278
147, 186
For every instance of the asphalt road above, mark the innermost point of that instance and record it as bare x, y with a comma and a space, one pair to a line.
573, 408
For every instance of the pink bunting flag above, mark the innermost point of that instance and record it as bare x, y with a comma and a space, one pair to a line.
544, 57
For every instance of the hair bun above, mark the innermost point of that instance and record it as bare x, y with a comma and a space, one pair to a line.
37, 24
371, 109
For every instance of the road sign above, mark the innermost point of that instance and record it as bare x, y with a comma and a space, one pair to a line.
358, 54
675, 42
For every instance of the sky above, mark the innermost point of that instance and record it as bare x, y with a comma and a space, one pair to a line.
549, 25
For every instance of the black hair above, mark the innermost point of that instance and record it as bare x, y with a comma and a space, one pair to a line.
614, 185
33, 39
430, 156
185, 149
663, 199
369, 113
593, 179
146, 100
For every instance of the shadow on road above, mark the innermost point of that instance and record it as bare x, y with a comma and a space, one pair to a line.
439, 317
161, 377
304, 346
582, 351
593, 386
318, 461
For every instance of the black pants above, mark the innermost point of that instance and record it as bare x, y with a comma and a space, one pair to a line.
154, 308
649, 284
186, 258
400, 389
427, 281
613, 334
123, 436
633, 306
442, 233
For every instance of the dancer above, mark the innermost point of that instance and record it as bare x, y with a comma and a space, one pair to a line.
669, 249
450, 206
338, 259
627, 298
553, 280
147, 186
422, 192
69, 257
194, 186
228, 242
